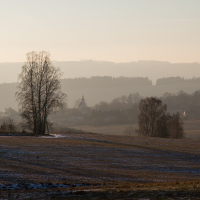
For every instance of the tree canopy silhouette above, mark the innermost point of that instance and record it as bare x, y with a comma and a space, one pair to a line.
151, 110
154, 121
39, 91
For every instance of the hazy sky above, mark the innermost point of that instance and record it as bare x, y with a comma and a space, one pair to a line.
110, 30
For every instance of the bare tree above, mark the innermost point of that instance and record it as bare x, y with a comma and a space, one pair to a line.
39, 91
4, 126
163, 126
155, 122
8, 125
176, 126
102, 106
11, 126
133, 98
151, 110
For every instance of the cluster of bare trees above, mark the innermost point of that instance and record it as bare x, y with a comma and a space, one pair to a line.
183, 101
39, 91
154, 121
120, 103
8, 126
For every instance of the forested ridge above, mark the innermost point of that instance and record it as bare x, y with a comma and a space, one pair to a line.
106, 88
89, 68
104, 81
177, 80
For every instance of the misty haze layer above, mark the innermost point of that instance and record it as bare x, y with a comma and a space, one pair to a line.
72, 69
111, 30
106, 88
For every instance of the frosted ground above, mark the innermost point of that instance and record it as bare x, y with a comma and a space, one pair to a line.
88, 160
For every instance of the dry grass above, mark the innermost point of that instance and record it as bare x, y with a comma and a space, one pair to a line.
121, 165
107, 130
191, 129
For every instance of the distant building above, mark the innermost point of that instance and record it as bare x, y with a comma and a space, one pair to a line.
82, 105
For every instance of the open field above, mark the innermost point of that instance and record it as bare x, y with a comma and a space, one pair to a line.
85, 166
107, 130
191, 129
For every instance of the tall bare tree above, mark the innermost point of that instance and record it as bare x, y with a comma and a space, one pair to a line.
154, 121
176, 126
39, 91
151, 110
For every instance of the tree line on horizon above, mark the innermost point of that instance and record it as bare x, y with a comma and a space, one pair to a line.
176, 80
104, 81
125, 109
179, 101
109, 81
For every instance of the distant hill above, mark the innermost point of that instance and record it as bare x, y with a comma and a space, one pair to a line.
106, 88
151, 69
96, 89
88, 68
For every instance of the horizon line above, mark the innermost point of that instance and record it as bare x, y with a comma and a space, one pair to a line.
85, 60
